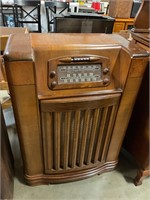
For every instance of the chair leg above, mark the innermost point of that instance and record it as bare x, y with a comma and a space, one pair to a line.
39, 20
16, 15
47, 14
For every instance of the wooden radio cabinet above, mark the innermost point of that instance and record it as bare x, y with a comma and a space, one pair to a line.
137, 137
72, 95
137, 140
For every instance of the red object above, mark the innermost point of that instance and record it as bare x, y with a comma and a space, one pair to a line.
93, 5
96, 5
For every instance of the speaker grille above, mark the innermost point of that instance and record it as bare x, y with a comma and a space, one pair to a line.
78, 138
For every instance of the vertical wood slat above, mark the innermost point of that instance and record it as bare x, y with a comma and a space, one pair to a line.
109, 131
66, 139
93, 134
99, 141
75, 138
45, 131
57, 122
48, 139
79, 137
54, 153
84, 135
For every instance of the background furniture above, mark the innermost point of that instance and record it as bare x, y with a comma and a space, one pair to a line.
135, 8
5, 32
120, 8
124, 12
123, 24
29, 17
137, 140
83, 23
137, 137
52, 8
123, 8
8, 15
7, 164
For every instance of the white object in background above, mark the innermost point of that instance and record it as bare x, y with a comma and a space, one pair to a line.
74, 6
105, 7
102, 7
8, 2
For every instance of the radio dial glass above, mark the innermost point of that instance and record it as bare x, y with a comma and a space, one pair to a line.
79, 73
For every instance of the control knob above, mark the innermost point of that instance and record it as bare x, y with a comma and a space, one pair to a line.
106, 81
52, 74
105, 70
53, 84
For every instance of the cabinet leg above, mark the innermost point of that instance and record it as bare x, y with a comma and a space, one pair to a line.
141, 174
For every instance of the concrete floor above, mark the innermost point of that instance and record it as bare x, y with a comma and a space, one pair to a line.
115, 185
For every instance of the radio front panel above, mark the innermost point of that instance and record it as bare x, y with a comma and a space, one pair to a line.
78, 72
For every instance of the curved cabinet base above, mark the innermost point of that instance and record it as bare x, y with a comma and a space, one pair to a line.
69, 176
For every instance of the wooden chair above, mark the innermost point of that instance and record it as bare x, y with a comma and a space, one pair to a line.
53, 8
28, 17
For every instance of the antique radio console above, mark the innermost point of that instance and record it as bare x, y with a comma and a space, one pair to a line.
72, 96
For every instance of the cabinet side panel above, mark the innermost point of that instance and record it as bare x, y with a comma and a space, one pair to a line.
26, 110
126, 105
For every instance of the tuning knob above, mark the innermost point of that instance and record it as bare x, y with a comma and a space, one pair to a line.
52, 74
106, 81
53, 84
105, 70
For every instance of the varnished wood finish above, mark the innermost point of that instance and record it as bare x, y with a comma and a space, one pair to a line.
122, 24
5, 102
141, 175
72, 133
5, 32
137, 138
141, 31
143, 13
120, 8
91, 121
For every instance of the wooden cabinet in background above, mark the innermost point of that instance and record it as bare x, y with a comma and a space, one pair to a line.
7, 163
137, 140
123, 24
137, 137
